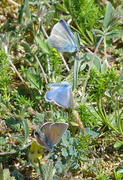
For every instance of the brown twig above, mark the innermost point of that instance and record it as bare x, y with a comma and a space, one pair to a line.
13, 2
42, 69
13, 66
88, 50
13, 152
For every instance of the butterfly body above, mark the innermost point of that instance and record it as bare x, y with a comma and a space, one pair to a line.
62, 38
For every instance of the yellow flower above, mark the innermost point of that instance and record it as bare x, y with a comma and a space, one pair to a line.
35, 152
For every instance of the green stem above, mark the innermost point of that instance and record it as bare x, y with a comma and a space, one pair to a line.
75, 75
83, 93
105, 47
40, 169
46, 3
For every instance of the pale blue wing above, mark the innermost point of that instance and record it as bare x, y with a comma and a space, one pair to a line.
62, 38
60, 96
60, 30
63, 23
57, 85
61, 44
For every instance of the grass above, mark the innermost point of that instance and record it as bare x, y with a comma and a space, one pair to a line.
92, 146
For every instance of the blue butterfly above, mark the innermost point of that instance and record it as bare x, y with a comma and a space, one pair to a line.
50, 134
62, 38
60, 94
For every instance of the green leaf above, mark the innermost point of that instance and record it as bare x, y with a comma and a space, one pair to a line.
12, 178
2, 141
114, 33
43, 45
90, 35
99, 31
39, 118
20, 14
27, 10
118, 144
26, 130
104, 67
50, 171
35, 80
65, 138
18, 176
6, 174
14, 124
118, 175
26, 47
92, 132
58, 166
64, 152
18, 137
96, 62
50, 14
60, 7
72, 150
77, 39
108, 15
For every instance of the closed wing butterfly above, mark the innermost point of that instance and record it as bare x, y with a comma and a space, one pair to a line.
62, 38
60, 94
50, 134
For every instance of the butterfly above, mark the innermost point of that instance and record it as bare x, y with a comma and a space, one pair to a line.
62, 38
50, 134
60, 94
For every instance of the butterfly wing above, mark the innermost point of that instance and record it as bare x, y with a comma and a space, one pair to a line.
51, 95
61, 96
40, 141
64, 25
45, 128
57, 131
62, 30
57, 85
61, 44
62, 38
52, 132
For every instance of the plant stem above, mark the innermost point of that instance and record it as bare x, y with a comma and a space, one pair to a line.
17, 72
13, 66
75, 75
64, 61
42, 69
83, 93
46, 3
17, 170
15, 3
105, 47
40, 169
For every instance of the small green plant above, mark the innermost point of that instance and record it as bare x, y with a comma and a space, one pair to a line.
48, 171
5, 174
118, 175
85, 15
69, 152
5, 77
99, 83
